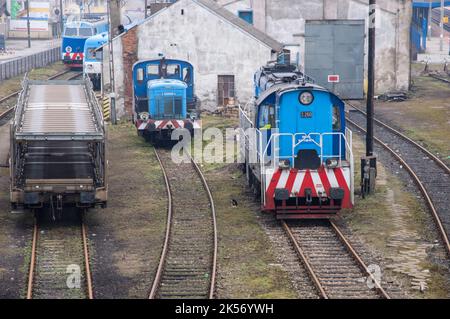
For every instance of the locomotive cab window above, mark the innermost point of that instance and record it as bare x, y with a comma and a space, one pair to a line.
152, 69
173, 70
99, 55
336, 118
85, 32
70, 32
91, 53
267, 117
140, 75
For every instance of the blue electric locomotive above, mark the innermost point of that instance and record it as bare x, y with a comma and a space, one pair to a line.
164, 99
296, 146
74, 39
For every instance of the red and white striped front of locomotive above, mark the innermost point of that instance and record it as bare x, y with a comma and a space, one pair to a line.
310, 163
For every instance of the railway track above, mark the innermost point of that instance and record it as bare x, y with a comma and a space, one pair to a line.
59, 263
187, 267
333, 265
437, 77
430, 174
5, 102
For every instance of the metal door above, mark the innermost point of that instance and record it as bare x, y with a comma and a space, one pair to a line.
336, 47
225, 89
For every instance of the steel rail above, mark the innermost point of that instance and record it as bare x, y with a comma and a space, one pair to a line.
32, 261
358, 259
165, 249
419, 184
10, 96
213, 212
159, 272
398, 133
305, 261
87, 266
434, 76
33, 258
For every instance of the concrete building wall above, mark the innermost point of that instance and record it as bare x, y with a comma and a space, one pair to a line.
285, 21
212, 44
258, 7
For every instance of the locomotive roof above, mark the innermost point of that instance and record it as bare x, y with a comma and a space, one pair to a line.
285, 87
98, 39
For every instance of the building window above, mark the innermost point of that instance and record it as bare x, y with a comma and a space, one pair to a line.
246, 15
225, 90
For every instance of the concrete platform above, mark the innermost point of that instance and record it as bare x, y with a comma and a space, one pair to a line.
19, 48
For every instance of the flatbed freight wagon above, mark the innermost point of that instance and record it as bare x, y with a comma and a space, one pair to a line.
58, 147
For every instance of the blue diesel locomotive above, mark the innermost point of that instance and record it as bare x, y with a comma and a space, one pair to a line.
93, 56
296, 146
74, 38
164, 99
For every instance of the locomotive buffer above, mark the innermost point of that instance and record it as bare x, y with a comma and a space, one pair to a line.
57, 147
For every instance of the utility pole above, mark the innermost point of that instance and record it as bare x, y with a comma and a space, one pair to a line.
430, 9
145, 9
441, 24
61, 16
28, 23
111, 66
369, 162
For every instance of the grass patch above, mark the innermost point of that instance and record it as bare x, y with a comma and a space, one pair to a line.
245, 256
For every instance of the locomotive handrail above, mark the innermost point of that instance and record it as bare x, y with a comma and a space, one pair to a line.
305, 138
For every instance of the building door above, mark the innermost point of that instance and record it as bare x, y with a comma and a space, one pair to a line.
334, 55
225, 90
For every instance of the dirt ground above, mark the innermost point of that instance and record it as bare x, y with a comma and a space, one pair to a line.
247, 267
15, 239
126, 238
396, 232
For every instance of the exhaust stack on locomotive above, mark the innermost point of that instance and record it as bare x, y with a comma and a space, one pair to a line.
297, 148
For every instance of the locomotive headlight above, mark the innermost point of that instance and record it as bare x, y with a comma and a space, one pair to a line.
144, 116
306, 98
285, 164
332, 163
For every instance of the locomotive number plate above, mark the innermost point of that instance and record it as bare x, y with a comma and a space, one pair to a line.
306, 115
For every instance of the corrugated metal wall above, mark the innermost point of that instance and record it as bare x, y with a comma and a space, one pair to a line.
336, 47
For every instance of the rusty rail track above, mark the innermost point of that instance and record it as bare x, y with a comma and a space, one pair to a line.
48, 271
436, 159
188, 262
437, 77
442, 229
72, 75
334, 266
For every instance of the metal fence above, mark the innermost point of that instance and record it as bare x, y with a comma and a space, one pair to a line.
24, 64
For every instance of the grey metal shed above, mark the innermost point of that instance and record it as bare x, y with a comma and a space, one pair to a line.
336, 47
